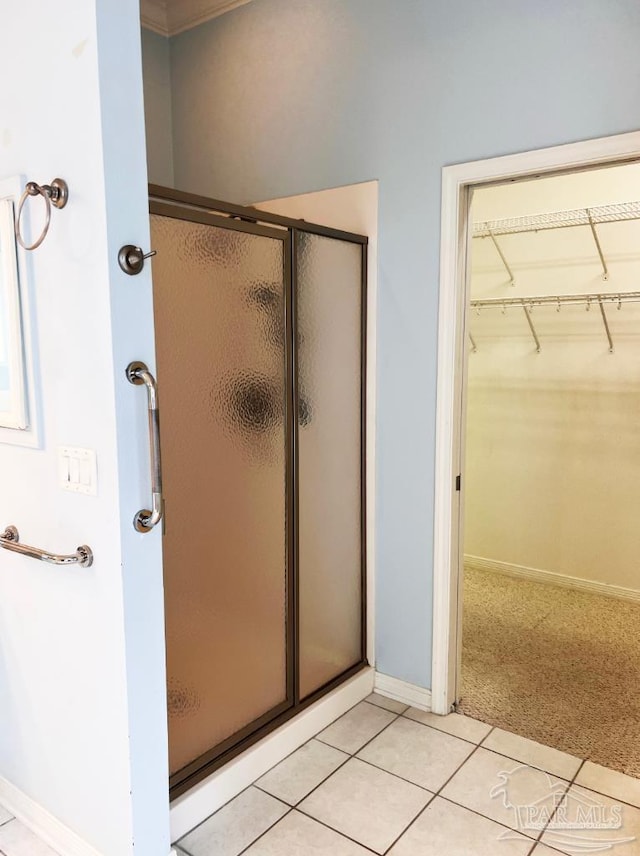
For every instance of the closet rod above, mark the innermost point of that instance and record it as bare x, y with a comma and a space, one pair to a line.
527, 304
616, 213
558, 300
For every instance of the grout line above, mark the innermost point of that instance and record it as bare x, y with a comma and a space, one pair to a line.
349, 758
437, 793
564, 796
333, 829
264, 832
382, 707
269, 794
456, 771
490, 819
488, 734
313, 737
360, 748
315, 788
198, 825
324, 743
600, 793
213, 814
395, 775
448, 733
532, 766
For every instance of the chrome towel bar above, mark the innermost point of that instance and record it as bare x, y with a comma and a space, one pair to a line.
10, 540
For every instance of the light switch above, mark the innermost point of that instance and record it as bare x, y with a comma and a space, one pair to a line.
78, 470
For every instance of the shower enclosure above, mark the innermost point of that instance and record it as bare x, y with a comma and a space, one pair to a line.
260, 340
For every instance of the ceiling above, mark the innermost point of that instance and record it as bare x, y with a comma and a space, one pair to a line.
169, 17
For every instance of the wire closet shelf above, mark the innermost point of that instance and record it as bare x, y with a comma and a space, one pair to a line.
591, 217
615, 213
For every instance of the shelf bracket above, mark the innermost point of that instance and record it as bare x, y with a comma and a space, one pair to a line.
605, 271
512, 280
606, 324
474, 347
527, 313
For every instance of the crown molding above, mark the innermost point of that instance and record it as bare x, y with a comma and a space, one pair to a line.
153, 16
170, 17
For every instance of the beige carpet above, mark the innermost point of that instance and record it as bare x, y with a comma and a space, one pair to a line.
558, 666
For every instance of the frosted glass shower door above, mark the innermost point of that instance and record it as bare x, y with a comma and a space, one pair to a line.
330, 387
220, 299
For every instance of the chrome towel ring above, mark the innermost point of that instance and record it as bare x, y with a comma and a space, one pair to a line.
56, 193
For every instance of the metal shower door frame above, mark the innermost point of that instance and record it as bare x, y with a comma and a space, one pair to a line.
167, 202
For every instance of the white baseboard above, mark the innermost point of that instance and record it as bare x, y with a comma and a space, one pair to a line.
43, 824
550, 577
201, 801
403, 691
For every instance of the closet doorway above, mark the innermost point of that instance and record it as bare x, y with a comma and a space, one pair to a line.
260, 341
551, 588
538, 600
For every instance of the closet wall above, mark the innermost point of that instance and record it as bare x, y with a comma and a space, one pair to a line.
553, 447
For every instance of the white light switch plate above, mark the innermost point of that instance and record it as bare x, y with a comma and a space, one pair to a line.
78, 470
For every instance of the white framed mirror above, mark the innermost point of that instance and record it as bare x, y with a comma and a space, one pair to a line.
14, 411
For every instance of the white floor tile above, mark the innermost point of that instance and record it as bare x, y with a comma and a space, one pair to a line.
421, 755
502, 789
580, 807
445, 828
233, 827
299, 835
460, 726
610, 782
301, 772
535, 754
366, 804
356, 727
17, 840
387, 703
5, 815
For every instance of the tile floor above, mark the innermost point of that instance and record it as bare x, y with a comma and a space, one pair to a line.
17, 840
387, 779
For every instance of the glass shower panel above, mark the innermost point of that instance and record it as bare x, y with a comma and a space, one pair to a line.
329, 317
219, 304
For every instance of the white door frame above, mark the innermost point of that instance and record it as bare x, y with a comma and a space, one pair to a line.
457, 184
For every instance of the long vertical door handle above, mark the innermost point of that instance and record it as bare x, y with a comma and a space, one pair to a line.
145, 519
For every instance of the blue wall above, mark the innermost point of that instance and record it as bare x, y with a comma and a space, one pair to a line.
157, 107
284, 96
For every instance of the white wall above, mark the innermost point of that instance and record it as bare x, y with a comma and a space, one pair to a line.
82, 719
552, 450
